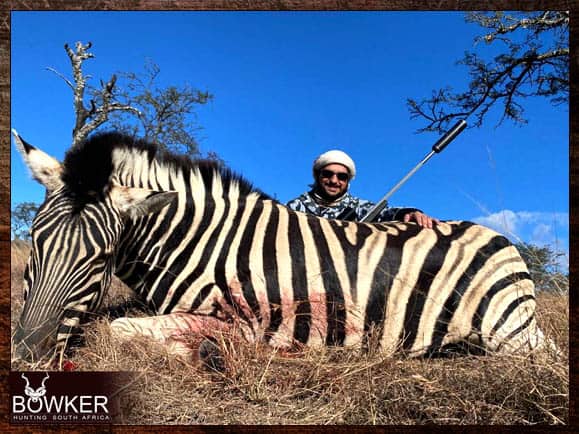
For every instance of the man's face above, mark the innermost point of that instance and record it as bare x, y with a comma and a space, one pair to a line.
333, 180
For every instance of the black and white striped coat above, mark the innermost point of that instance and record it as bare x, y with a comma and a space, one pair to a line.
200, 245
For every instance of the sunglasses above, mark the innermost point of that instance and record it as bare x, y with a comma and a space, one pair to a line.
329, 174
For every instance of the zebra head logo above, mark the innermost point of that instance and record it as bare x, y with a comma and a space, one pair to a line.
35, 394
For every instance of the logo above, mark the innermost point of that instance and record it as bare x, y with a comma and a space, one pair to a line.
63, 397
35, 395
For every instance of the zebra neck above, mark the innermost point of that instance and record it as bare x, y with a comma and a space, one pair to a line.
171, 250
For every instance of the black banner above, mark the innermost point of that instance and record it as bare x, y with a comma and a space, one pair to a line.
68, 397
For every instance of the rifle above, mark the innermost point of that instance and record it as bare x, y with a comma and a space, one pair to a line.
448, 137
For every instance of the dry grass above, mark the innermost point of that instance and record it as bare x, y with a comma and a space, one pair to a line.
333, 386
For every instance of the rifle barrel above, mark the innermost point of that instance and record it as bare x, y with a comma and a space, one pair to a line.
448, 137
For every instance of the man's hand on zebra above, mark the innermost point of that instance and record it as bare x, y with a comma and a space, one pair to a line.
422, 219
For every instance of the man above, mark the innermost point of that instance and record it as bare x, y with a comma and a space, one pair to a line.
329, 196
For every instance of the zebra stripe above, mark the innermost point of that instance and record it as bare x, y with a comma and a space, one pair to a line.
299, 282
222, 253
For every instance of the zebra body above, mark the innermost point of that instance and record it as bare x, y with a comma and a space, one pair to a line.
200, 246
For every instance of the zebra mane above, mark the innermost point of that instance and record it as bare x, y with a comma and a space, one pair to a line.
89, 165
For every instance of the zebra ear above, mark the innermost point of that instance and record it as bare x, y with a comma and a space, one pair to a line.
44, 168
137, 202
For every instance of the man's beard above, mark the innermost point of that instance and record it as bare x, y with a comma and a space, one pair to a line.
328, 199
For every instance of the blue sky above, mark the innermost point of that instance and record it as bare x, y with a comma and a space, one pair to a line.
288, 86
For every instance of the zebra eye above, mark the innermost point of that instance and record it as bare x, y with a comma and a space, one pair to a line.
102, 256
25, 290
25, 281
105, 255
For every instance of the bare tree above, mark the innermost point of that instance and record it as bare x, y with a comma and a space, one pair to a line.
166, 115
89, 119
137, 106
535, 62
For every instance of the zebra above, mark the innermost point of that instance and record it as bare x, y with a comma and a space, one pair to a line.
208, 252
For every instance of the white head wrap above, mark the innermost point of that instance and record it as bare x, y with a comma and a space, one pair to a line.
335, 157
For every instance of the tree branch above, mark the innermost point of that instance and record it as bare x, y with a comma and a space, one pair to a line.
88, 120
163, 113
510, 76
66, 80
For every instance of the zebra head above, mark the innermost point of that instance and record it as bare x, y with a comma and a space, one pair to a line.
75, 235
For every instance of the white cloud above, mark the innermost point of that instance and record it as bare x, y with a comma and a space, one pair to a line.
538, 228
520, 224
504, 222
542, 233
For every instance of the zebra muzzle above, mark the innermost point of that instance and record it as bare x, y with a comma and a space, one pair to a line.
33, 343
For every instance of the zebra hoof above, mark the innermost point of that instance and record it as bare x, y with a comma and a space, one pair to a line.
210, 356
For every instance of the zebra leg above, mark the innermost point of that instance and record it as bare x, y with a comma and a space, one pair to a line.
515, 331
530, 340
189, 334
186, 334
181, 333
